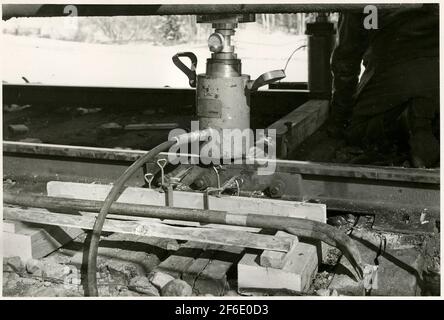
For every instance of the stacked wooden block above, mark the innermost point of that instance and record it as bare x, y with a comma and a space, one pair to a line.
212, 252
31, 240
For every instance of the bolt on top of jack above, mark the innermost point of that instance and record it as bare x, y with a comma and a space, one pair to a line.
223, 92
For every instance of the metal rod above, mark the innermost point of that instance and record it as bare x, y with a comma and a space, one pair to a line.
26, 10
297, 226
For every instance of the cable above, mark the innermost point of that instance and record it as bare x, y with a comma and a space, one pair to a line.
291, 55
117, 188
110, 198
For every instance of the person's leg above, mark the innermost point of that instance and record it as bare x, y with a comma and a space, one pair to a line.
411, 89
407, 124
424, 146
368, 129
378, 103
380, 130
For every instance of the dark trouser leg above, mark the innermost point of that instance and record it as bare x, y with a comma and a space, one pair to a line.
378, 130
424, 146
402, 125
401, 96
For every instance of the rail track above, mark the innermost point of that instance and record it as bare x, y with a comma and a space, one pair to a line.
398, 197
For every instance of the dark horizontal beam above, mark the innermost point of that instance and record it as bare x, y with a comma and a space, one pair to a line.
93, 96
274, 102
27, 10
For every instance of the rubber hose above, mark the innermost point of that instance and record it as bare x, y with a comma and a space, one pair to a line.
110, 198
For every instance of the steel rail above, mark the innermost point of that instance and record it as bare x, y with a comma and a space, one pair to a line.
395, 195
398, 197
427, 176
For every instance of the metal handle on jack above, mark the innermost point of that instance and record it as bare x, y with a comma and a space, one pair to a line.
266, 78
189, 72
162, 163
149, 178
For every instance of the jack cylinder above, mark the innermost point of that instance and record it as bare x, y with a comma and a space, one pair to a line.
223, 92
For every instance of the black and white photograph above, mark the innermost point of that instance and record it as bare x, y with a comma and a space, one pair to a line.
220, 151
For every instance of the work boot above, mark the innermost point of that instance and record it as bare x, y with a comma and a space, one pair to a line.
424, 149
424, 146
337, 121
336, 128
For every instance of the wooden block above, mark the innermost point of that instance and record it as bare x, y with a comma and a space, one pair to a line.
275, 259
29, 240
141, 228
208, 273
18, 129
17, 245
9, 226
193, 200
178, 262
295, 275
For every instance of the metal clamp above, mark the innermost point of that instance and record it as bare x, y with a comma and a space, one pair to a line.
189, 72
149, 178
237, 187
218, 176
162, 163
169, 193
206, 198
210, 190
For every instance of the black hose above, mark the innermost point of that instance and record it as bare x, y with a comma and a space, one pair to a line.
110, 198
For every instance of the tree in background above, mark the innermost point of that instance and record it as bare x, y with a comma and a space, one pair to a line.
287, 22
171, 28
163, 30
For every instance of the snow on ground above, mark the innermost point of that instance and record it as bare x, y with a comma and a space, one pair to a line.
140, 65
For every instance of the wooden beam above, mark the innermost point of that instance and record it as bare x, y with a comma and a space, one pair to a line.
201, 234
295, 127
